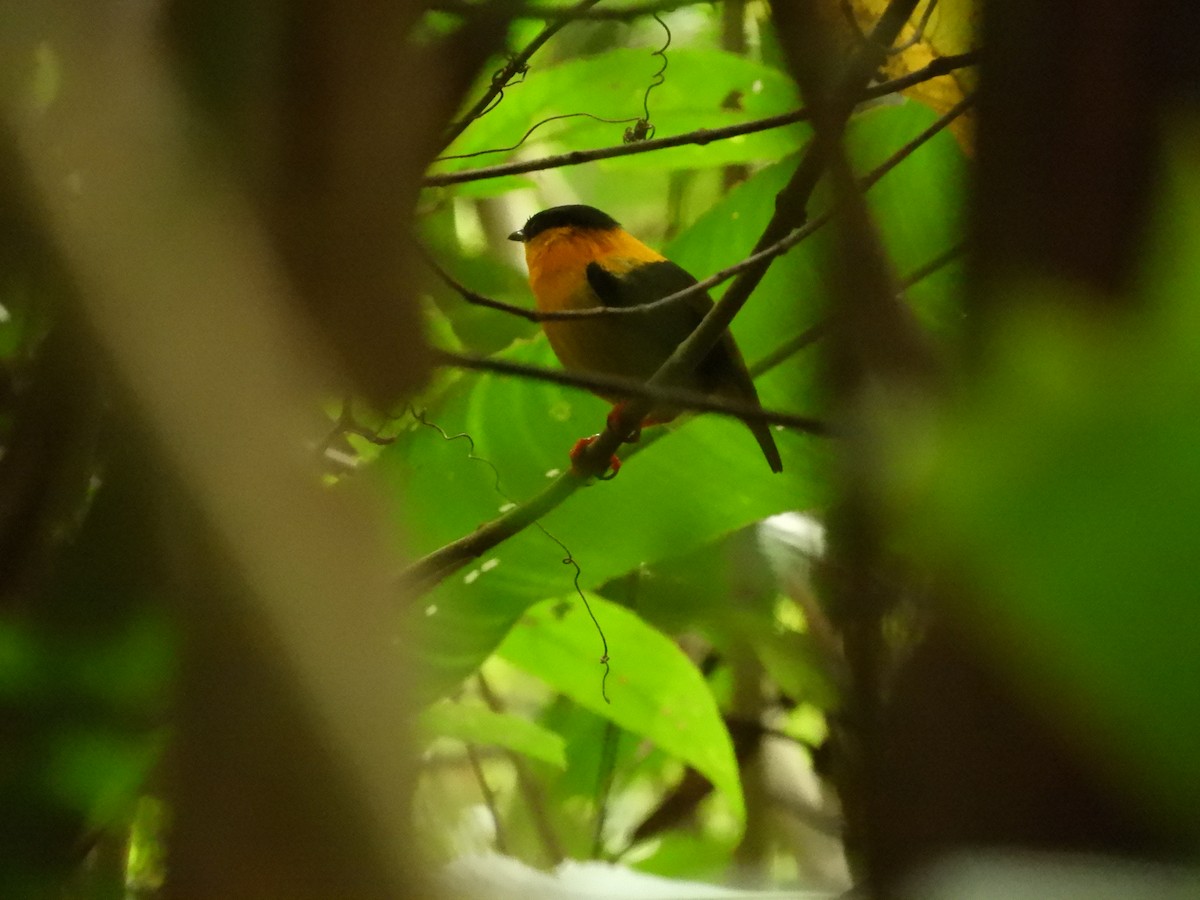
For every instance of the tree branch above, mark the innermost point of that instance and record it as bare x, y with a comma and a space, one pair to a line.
939, 67
553, 13
515, 65
679, 398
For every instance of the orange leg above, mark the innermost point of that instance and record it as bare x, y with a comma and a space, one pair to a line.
614, 423
581, 445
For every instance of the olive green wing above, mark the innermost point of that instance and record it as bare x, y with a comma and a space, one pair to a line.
722, 371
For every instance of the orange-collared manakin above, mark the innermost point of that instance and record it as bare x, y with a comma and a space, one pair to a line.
580, 258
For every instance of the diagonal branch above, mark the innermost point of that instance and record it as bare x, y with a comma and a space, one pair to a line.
515, 65
682, 399
701, 136
557, 13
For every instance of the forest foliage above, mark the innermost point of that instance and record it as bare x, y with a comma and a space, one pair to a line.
658, 669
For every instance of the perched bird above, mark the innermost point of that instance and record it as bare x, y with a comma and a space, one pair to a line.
579, 258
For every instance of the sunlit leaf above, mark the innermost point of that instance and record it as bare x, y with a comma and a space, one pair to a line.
655, 690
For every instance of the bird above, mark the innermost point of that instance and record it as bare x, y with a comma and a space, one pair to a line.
581, 258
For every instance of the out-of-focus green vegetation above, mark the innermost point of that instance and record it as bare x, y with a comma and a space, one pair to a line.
1050, 480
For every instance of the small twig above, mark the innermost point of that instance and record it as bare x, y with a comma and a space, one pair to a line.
814, 333
938, 262
938, 125
489, 796
606, 777
474, 297
535, 127
526, 784
631, 387
942, 66
554, 13
347, 424
918, 32
786, 351
516, 64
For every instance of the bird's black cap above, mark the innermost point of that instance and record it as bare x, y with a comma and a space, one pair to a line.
574, 216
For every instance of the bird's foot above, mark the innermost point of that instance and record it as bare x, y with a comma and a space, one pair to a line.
581, 445
614, 423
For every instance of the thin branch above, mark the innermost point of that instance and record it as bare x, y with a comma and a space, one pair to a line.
516, 64
429, 570
814, 333
938, 262
526, 784
678, 398
786, 351
942, 66
489, 796
918, 32
554, 13
473, 297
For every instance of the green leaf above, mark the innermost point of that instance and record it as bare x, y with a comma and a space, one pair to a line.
687, 485
474, 723
1062, 491
694, 483
918, 207
655, 690
702, 88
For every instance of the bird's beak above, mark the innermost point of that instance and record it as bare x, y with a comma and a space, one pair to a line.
517, 235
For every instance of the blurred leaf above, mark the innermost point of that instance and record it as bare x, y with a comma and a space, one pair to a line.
20, 675
474, 723
656, 691
146, 869
685, 854
794, 662
950, 29
1063, 488
98, 773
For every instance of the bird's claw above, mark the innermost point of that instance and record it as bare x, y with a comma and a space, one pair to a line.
581, 445
614, 424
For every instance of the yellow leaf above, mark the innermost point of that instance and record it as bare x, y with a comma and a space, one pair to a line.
937, 28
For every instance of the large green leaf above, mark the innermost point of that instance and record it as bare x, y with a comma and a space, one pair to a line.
917, 208
700, 481
655, 690
703, 479
702, 89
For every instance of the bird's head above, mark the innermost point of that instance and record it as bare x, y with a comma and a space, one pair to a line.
576, 217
